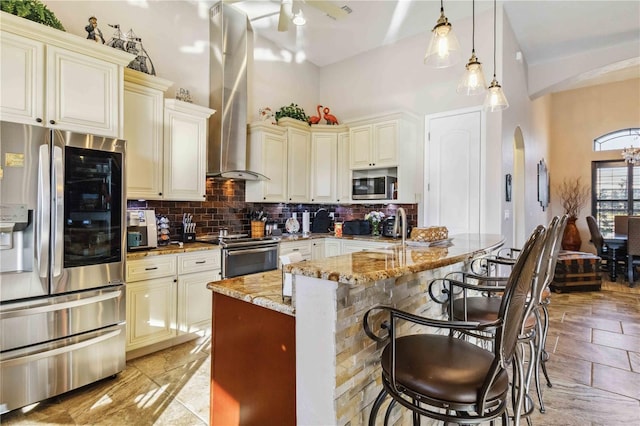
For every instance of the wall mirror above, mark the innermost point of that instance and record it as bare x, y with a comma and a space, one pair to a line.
543, 184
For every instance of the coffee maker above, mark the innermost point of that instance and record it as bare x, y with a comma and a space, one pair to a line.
142, 229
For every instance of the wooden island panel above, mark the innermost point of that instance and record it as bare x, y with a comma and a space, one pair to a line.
253, 365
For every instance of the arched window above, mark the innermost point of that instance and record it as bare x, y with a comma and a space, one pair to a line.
615, 186
619, 139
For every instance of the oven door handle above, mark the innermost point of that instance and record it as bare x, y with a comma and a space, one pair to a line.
231, 252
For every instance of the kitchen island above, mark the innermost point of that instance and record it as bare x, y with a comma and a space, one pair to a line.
336, 366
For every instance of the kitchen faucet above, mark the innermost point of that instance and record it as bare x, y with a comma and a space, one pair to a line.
403, 219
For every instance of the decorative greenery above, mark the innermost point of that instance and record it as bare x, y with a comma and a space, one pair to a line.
32, 10
573, 194
292, 111
374, 217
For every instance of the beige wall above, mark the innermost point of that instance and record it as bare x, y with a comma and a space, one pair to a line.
577, 118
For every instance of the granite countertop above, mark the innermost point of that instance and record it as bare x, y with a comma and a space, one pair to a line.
298, 237
263, 289
396, 261
171, 249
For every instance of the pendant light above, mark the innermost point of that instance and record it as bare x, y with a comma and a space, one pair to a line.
444, 49
495, 100
472, 82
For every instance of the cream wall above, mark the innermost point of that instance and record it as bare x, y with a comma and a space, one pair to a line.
578, 117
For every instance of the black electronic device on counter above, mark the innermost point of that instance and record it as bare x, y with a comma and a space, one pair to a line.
356, 227
321, 222
387, 227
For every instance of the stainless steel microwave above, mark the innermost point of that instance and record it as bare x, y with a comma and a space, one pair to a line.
374, 188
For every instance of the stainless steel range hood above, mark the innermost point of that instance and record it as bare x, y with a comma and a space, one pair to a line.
230, 37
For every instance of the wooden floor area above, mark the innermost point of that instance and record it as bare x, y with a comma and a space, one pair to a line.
594, 346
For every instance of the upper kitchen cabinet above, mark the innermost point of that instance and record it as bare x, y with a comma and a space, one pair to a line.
59, 80
326, 176
343, 194
185, 151
298, 160
267, 151
389, 144
143, 130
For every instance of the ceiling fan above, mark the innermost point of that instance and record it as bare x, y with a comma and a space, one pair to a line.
287, 15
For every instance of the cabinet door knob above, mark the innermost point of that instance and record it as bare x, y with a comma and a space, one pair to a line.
52, 122
159, 193
264, 198
38, 120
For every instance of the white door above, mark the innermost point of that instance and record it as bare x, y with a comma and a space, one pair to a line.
453, 158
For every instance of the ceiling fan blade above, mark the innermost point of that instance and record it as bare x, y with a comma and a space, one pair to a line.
286, 10
328, 8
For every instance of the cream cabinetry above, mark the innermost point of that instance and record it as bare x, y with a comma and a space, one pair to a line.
324, 163
298, 158
185, 151
374, 145
268, 156
304, 247
343, 184
332, 247
151, 300
167, 296
55, 79
317, 248
389, 145
195, 270
352, 246
143, 130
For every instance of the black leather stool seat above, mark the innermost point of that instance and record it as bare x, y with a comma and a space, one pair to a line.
479, 309
443, 368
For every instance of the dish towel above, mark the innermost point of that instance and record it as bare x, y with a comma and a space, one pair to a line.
287, 278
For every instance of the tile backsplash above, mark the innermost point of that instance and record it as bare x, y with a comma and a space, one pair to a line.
225, 207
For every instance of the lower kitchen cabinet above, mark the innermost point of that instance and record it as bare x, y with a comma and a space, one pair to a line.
167, 297
151, 311
352, 246
332, 247
317, 249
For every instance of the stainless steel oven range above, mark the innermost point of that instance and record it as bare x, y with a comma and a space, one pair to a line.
242, 255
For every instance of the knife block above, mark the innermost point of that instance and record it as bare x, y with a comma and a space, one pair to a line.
188, 237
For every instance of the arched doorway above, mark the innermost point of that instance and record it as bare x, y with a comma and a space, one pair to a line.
519, 233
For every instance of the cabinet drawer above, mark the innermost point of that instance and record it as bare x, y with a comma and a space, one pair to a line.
151, 267
201, 261
304, 247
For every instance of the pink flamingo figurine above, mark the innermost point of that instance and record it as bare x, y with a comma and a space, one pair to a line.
316, 119
331, 119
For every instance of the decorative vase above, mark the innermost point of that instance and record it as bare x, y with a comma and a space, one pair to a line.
571, 238
375, 229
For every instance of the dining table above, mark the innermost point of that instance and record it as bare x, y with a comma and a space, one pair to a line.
616, 242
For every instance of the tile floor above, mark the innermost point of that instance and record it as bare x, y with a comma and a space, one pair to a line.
594, 341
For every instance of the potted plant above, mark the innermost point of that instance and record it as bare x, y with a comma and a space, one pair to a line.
292, 111
573, 195
32, 10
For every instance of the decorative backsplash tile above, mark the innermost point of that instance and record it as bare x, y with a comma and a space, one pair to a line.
225, 207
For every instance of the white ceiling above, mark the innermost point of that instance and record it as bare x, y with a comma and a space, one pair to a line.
545, 29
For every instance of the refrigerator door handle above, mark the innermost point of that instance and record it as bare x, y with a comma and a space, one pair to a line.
22, 311
64, 349
58, 213
44, 209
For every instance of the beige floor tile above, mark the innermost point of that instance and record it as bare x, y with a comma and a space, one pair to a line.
161, 362
594, 322
617, 340
594, 353
568, 370
634, 358
569, 329
617, 381
632, 328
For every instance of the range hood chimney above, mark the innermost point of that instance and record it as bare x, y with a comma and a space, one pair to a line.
230, 37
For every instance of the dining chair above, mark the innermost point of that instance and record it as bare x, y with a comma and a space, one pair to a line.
444, 377
633, 248
620, 224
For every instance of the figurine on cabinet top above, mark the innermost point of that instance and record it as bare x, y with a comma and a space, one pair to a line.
93, 32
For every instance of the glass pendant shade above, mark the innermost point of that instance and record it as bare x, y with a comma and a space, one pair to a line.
444, 49
495, 100
472, 82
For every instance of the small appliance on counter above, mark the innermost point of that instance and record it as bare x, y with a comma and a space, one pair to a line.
356, 227
142, 229
164, 232
387, 228
321, 222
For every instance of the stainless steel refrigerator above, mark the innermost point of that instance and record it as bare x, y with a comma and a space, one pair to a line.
62, 251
